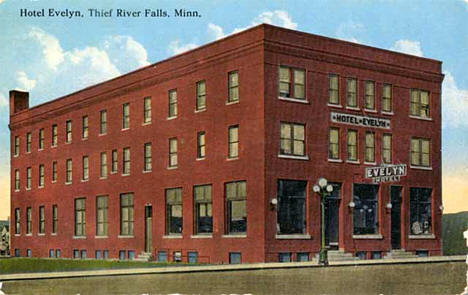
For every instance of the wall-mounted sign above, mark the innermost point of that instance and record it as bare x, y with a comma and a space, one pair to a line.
357, 120
386, 173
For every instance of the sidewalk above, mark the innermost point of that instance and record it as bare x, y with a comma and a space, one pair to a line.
230, 267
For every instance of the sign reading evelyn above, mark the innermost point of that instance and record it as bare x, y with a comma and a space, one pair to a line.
360, 120
387, 173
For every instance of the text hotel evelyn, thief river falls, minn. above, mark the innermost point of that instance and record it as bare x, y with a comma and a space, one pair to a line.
94, 12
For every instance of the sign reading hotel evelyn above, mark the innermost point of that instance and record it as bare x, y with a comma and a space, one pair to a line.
357, 120
386, 173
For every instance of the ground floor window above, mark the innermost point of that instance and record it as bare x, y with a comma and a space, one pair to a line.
302, 256
57, 253
420, 210
365, 211
192, 257
162, 257
177, 256
236, 207
291, 215
235, 257
174, 211
284, 257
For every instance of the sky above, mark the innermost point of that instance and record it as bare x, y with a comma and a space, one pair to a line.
53, 56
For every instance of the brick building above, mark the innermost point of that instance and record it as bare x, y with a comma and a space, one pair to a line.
211, 156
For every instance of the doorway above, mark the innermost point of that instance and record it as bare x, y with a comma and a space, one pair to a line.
148, 228
395, 196
332, 206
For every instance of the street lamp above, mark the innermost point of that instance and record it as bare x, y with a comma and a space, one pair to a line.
323, 189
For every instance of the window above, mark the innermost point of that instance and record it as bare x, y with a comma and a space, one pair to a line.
28, 253
334, 143
201, 96
51, 253
291, 83
235, 258
28, 178
177, 256
126, 214
121, 254
83, 254
365, 211
85, 172
302, 256
387, 98
333, 89
84, 127
68, 172
291, 209
351, 93
192, 257
17, 180
233, 141
103, 165
292, 139
147, 158
57, 253
114, 161
233, 86
125, 116
97, 254
162, 256
41, 175
41, 220
201, 145
420, 211
68, 131
352, 145
41, 139
173, 152
419, 103
17, 221
126, 161
420, 149
131, 254
103, 122
387, 148
101, 216
202, 209
174, 211
28, 220
54, 135
172, 103
76, 253
17, 252
147, 110
284, 257
370, 147
369, 100
80, 217
236, 207
54, 171
28, 142
16, 146
54, 219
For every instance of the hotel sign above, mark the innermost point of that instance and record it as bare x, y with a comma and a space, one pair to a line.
357, 120
386, 173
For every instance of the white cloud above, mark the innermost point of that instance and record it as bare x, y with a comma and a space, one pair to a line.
454, 103
349, 30
25, 83
175, 47
126, 53
408, 47
51, 49
1, 1
215, 32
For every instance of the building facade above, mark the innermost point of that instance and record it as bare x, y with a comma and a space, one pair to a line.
211, 156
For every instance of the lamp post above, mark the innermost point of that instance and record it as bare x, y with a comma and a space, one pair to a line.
323, 189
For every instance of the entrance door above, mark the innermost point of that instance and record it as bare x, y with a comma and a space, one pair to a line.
148, 228
395, 195
332, 205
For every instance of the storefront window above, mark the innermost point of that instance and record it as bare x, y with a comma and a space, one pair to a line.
291, 207
420, 211
365, 210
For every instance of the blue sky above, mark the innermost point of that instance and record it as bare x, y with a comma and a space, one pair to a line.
51, 57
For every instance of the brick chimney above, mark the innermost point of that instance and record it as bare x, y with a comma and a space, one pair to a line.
19, 100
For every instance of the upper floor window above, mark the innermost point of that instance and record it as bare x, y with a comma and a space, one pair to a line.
125, 116
236, 196
28, 177
351, 93
28, 220
103, 122
172, 103
369, 101
80, 217
17, 221
203, 218
54, 135
147, 110
147, 157
174, 211
201, 145
16, 145
28, 142
420, 152
291, 83
84, 127
292, 139
387, 98
334, 143
387, 148
370, 147
41, 220
41, 175
233, 141
351, 149
173, 152
419, 103
54, 219
41, 139
85, 173
126, 214
103, 165
333, 89
126, 161
114, 161
201, 96
68, 171
54, 171
68, 131
17, 180
233, 86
